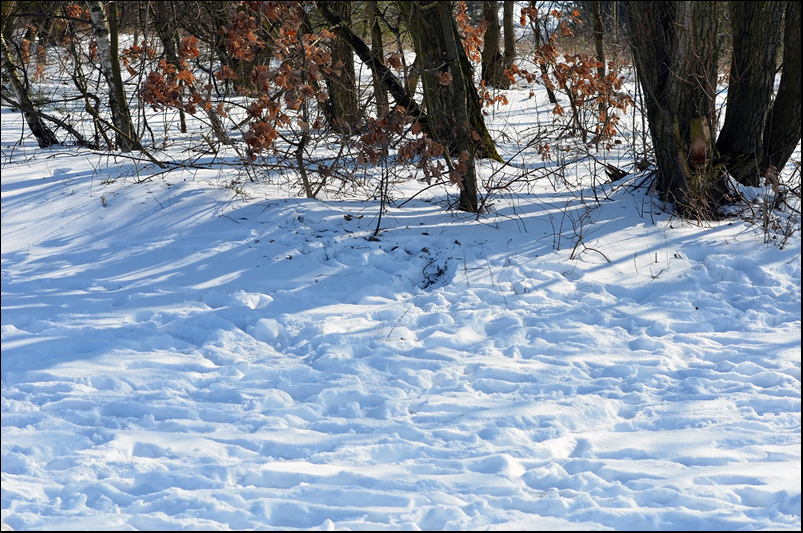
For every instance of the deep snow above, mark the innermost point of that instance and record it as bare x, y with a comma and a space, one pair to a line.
176, 356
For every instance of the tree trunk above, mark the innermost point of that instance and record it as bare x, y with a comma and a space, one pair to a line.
413, 75
782, 131
492, 60
377, 50
446, 88
342, 83
674, 48
106, 33
44, 136
494, 63
756, 28
598, 37
510, 36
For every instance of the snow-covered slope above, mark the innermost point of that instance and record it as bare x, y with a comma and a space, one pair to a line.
173, 357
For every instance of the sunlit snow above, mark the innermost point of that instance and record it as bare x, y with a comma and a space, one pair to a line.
175, 355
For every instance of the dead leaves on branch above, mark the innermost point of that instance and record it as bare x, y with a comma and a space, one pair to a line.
241, 38
303, 60
471, 36
421, 151
593, 97
444, 78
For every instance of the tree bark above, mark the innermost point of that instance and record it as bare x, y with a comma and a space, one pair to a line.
106, 33
494, 63
413, 74
446, 88
598, 37
342, 83
492, 60
510, 36
782, 131
756, 28
377, 50
674, 48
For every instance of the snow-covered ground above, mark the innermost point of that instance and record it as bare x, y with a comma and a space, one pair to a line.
176, 356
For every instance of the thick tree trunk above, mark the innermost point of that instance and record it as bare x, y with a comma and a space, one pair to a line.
674, 48
377, 50
492, 60
756, 28
446, 88
342, 83
510, 36
44, 136
413, 74
782, 131
105, 31
494, 63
